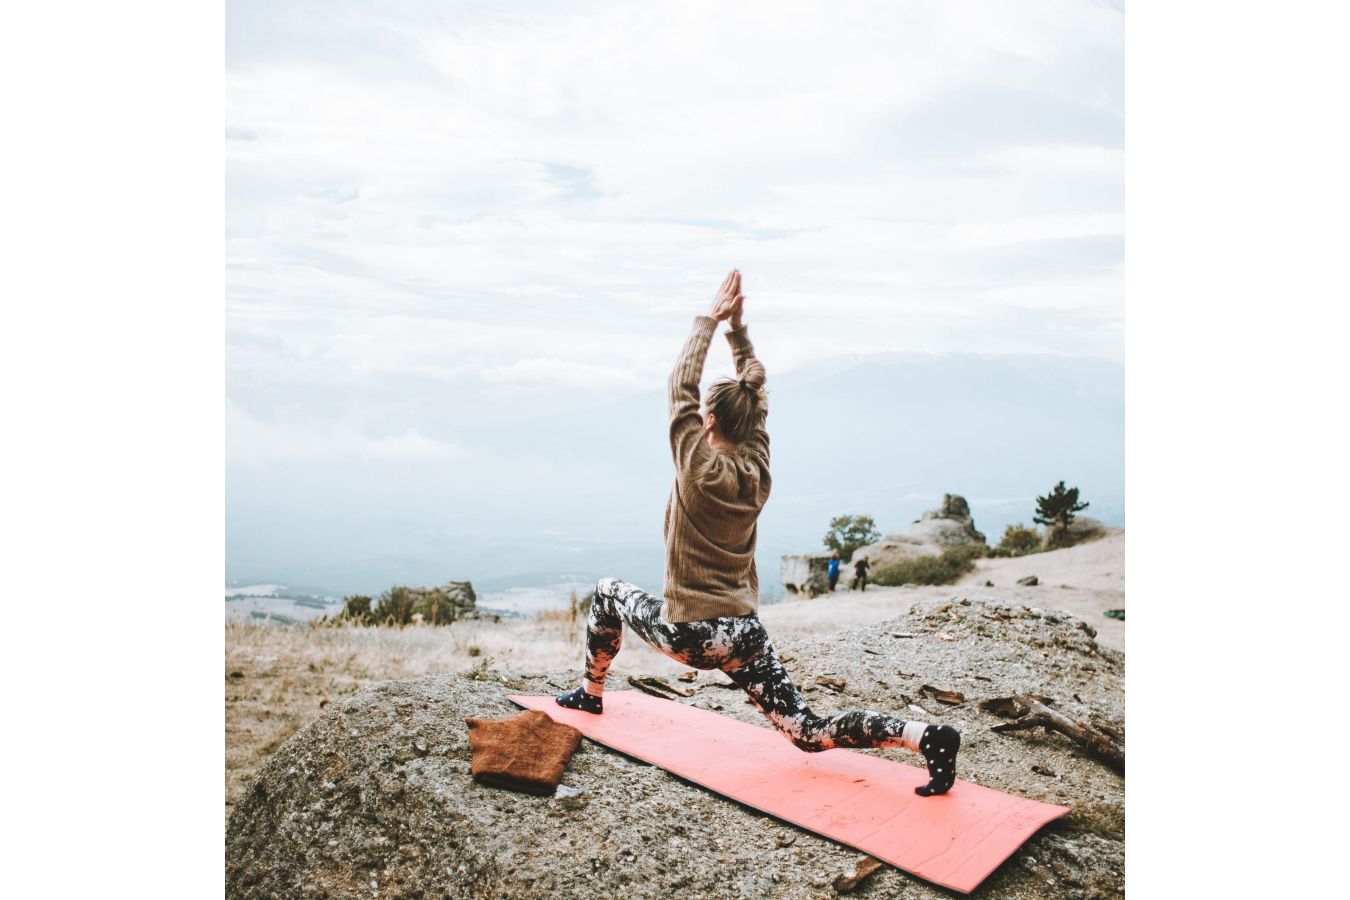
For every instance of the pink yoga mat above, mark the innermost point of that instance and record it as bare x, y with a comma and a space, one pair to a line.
866, 802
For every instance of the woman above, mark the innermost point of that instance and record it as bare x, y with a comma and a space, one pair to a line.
708, 619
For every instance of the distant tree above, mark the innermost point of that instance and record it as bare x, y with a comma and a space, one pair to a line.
848, 533
1056, 511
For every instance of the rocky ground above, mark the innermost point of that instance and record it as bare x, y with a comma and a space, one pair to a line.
1085, 580
374, 799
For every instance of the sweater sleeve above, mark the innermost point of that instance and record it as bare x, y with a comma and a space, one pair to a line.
687, 444
743, 353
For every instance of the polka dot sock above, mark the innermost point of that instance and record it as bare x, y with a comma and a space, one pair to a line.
938, 746
582, 700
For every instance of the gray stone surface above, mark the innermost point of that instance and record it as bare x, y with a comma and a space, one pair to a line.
949, 525
374, 799
1081, 529
806, 574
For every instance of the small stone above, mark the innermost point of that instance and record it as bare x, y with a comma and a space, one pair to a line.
846, 884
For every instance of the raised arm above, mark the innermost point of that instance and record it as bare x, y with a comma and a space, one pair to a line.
688, 444
743, 354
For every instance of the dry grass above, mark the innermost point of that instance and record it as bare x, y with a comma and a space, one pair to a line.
279, 678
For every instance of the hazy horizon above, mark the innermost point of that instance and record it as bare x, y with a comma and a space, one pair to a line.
884, 435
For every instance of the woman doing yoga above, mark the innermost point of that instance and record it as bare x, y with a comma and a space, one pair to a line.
708, 619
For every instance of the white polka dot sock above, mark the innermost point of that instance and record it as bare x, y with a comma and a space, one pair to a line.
938, 746
583, 700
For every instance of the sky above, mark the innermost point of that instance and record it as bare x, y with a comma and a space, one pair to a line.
444, 215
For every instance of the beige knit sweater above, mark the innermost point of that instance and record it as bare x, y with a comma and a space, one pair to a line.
715, 502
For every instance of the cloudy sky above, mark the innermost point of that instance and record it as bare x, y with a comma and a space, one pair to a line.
451, 213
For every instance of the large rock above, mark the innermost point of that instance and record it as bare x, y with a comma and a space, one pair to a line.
805, 574
449, 602
374, 799
1081, 530
950, 525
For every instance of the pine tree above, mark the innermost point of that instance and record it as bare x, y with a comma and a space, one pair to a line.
1056, 509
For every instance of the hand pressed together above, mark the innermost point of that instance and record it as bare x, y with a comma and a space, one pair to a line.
729, 300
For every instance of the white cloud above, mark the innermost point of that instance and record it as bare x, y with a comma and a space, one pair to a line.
254, 443
437, 207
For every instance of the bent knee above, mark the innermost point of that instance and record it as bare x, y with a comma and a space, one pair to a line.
807, 740
808, 745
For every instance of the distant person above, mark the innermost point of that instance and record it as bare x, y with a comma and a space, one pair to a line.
708, 619
860, 574
834, 570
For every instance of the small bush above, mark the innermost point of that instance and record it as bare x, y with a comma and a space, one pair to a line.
480, 672
356, 610
951, 565
400, 606
397, 606
1019, 540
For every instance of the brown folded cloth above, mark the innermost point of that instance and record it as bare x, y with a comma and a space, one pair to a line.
525, 752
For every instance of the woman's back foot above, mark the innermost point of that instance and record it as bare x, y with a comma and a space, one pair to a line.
938, 746
580, 699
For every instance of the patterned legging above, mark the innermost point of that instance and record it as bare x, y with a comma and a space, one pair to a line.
736, 645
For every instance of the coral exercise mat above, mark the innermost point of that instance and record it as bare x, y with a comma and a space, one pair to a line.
866, 802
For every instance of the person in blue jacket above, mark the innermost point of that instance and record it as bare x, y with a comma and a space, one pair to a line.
834, 570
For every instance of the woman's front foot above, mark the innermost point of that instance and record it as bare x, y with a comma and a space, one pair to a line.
582, 700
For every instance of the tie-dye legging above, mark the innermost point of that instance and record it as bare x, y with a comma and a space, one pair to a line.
738, 646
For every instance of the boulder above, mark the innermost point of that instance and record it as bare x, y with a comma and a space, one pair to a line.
1081, 530
463, 600
375, 797
805, 574
949, 525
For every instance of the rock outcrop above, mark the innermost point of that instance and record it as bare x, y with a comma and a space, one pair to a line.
950, 525
375, 799
805, 574
461, 595
1081, 530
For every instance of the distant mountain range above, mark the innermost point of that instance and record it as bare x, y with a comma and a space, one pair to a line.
583, 492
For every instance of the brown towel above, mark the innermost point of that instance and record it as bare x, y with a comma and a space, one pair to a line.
525, 752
